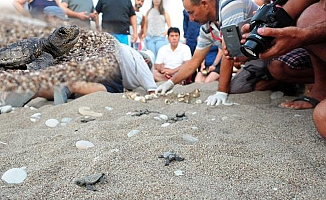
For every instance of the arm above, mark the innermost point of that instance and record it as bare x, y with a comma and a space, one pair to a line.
58, 2
141, 34
294, 8
159, 67
145, 24
19, 6
218, 58
80, 15
188, 68
133, 22
168, 22
97, 21
298, 36
225, 74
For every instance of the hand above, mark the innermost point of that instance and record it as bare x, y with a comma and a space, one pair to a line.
236, 59
217, 99
83, 16
282, 38
166, 86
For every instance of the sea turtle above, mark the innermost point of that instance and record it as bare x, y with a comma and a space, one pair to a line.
169, 156
37, 53
90, 181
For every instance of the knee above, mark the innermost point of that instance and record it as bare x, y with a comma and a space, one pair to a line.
276, 69
319, 117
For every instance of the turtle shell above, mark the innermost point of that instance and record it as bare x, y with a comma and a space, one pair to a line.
20, 53
92, 179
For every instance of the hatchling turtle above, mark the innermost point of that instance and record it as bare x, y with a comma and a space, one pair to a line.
37, 53
169, 156
90, 181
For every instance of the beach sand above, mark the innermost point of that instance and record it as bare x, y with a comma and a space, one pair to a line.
252, 150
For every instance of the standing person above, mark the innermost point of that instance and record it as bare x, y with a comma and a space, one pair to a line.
36, 8
191, 32
171, 56
117, 16
156, 20
140, 18
210, 67
81, 12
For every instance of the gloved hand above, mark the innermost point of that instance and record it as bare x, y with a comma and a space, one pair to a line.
166, 86
217, 99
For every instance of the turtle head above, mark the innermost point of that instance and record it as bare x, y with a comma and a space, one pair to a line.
63, 39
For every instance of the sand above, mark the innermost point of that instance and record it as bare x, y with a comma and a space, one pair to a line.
252, 150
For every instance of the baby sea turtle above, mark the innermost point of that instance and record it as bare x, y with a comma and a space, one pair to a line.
169, 156
37, 53
90, 181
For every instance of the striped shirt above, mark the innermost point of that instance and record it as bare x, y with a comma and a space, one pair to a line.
229, 12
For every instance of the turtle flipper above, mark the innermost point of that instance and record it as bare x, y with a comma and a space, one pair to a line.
91, 187
42, 61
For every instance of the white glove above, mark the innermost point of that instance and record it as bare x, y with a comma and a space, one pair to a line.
217, 99
166, 86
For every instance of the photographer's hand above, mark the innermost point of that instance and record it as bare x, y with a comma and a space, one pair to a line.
286, 39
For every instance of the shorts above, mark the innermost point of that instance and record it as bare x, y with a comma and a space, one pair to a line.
217, 67
296, 59
122, 38
114, 86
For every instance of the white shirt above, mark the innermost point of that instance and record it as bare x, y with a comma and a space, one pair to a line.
173, 59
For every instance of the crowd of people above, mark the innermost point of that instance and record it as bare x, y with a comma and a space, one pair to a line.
296, 57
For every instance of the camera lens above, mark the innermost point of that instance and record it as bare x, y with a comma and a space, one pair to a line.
248, 49
255, 44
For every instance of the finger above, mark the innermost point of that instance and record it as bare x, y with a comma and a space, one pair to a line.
163, 91
218, 102
245, 28
269, 31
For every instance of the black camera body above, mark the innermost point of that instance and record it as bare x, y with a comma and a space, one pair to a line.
268, 15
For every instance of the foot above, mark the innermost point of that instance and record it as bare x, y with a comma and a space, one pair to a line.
302, 102
308, 101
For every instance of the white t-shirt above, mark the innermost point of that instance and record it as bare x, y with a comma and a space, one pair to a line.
173, 59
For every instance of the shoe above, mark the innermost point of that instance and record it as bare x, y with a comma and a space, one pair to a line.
61, 95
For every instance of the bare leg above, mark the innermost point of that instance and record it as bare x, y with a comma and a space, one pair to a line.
200, 78
84, 88
313, 15
283, 72
213, 76
320, 118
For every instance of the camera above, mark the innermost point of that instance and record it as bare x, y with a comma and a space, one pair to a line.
268, 15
